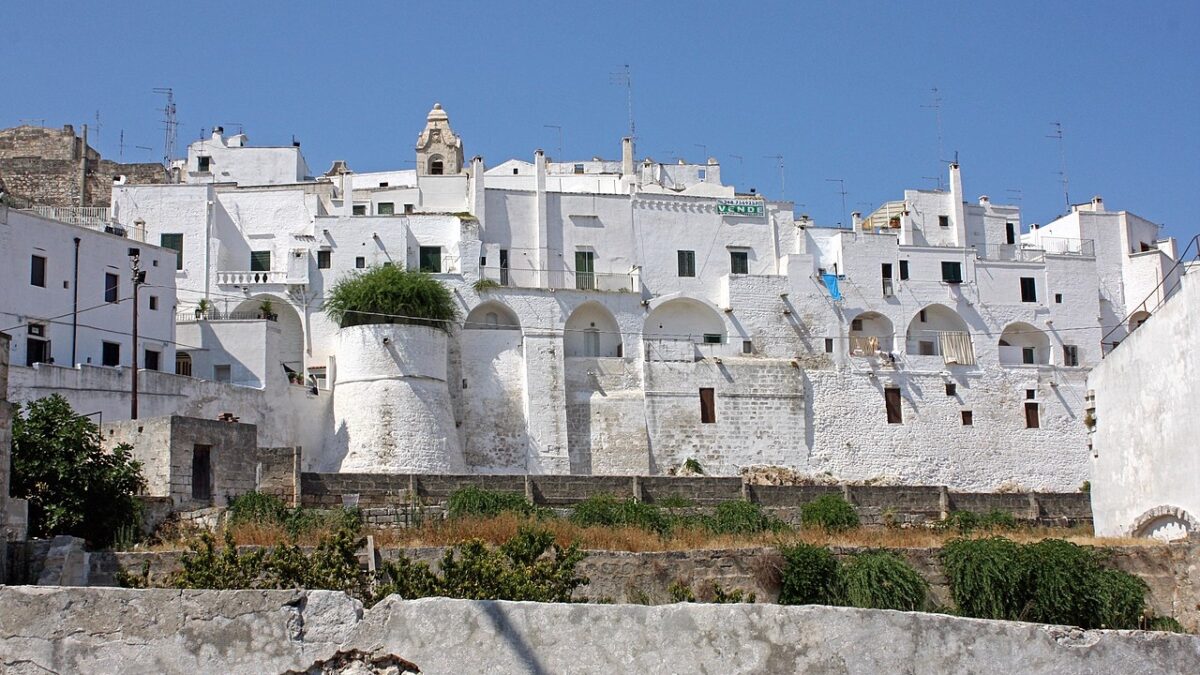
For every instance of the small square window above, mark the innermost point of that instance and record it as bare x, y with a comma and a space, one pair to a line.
110, 353
324, 259
828, 345
223, 373
409, 209
747, 347
968, 418
712, 338
944, 221
1058, 298
856, 324
154, 303
951, 389
516, 171
687, 263
431, 259
739, 262
1031, 393
360, 262
151, 360
578, 168
203, 164
1070, 355
925, 348
260, 261
1028, 355
701, 175
383, 184
358, 210
903, 270
952, 272
385, 209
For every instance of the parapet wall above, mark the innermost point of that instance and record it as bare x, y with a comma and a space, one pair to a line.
60, 630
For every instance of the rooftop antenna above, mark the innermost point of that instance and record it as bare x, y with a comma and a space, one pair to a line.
560, 146
782, 185
842, 191
41, 121
937, 114
170, 124
624, 78
97, 125
1016, 194
703, 152
1062, 158
121, 146
144, 147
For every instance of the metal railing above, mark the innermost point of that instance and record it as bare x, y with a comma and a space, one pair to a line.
251, 278
218, 315
1037, 250
561, 279
92, 217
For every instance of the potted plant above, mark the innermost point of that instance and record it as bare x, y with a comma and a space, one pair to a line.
202, 308
266, 310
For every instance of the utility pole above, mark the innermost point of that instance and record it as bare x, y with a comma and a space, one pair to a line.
624, 78
139, 277
1062, 158
937, 112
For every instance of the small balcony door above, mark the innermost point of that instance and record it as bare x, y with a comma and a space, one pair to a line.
585, 270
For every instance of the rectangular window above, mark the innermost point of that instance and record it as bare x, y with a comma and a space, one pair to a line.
203, 164
747, 347
856, 324
951, 388
110, 353
952, 272
585, 270
431, 259
739, 262
701, 175
891, 398
324, 259
151, 360
183, 364
578, 168
260, 261
708, 406
154, 303
968, 418
175, 243
885, 270
503, 267
385, 209
223, 373
1031, 415
828, 345
409, 209
202, 472
1010, 233
903, 270
1028, 355
112, 287
1070, 355
358, 210
37, 271
1031, 394
925, 348
1028, 289
944, 221
687, 263
712, 338
360, 262
1058, 298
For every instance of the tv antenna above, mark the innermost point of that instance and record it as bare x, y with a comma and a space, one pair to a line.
41, 121
121, 146
170, 124
936, 106
782, 185
842, 191
98, 125
1015, 194
560, 145
1062, 158
703, 152
624, 78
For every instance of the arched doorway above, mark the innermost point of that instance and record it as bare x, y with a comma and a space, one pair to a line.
492, 315
870, 333
1023, 344
938, 330
592, 331
291, 329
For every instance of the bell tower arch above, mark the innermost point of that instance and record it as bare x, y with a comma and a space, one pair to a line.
439, 149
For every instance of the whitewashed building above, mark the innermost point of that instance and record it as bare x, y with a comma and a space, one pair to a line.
626, 316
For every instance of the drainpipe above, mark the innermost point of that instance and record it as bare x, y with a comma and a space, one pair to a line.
75, 303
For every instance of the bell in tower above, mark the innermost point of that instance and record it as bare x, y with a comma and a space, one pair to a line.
439, 149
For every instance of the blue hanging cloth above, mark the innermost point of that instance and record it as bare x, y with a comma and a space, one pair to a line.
831, 284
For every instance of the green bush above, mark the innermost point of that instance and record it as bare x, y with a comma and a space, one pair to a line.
809, 576
966, 522
742, 517
985, 577
1059, 578
256, 507
829, 512
1165, 624
1121, 599
608, 511
261, 509
473, 501
389, 294
882, 580
73, 486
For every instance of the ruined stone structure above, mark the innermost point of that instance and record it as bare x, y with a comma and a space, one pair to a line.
5, 452
40, 166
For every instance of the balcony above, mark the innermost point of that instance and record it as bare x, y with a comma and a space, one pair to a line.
562, 279
218, 315
92, 217
252, 278
1036, 251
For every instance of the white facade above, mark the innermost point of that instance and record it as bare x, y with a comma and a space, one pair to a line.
1146, 462
66, 295
625, 316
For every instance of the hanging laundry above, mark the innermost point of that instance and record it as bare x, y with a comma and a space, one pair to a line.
831, 284
957, 348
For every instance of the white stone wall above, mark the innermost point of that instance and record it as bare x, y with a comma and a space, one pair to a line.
392, 410
494, 431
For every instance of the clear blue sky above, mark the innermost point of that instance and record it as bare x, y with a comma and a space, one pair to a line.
840, 89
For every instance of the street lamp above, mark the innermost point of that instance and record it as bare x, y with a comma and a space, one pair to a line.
139, 277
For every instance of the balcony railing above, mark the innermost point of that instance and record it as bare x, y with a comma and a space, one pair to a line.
218, 315
1036, 251
561, 279
251, 278
92, 217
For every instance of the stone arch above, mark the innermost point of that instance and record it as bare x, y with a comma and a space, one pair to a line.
871, 329
1023, 343
492, 315
291, 328
592, 330
1165, 522
437, 166
926, 327
684, 319
1137, 319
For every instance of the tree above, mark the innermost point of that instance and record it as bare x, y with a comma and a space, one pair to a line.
389, 294
73, 486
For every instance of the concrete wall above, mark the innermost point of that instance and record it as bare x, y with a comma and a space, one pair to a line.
159, 631
5, 452
1145, 468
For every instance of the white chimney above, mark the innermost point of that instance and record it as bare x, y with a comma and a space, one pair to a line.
984, 200
627, 156
856, 219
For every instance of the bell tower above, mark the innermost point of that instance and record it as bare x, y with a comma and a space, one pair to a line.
439, 149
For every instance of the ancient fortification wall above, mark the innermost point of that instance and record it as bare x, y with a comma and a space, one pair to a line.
63, 630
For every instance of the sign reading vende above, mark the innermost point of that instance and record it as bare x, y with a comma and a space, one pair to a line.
741, 207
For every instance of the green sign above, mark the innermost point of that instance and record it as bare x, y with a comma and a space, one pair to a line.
741, 207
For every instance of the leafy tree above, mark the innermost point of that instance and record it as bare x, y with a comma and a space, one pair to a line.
73, 486
809, 576
389, 294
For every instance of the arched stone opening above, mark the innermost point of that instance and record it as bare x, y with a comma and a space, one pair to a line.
1167, 523
437, 166
685, 319
870, 333
592, 330
1137, 319
1023, 344
492, 315
291, 328
938, 330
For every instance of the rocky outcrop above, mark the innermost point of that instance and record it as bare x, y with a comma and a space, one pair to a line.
95, 630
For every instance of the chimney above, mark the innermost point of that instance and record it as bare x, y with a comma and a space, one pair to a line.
1097, 204
856, 219
984, 200
627, 156
218, 135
